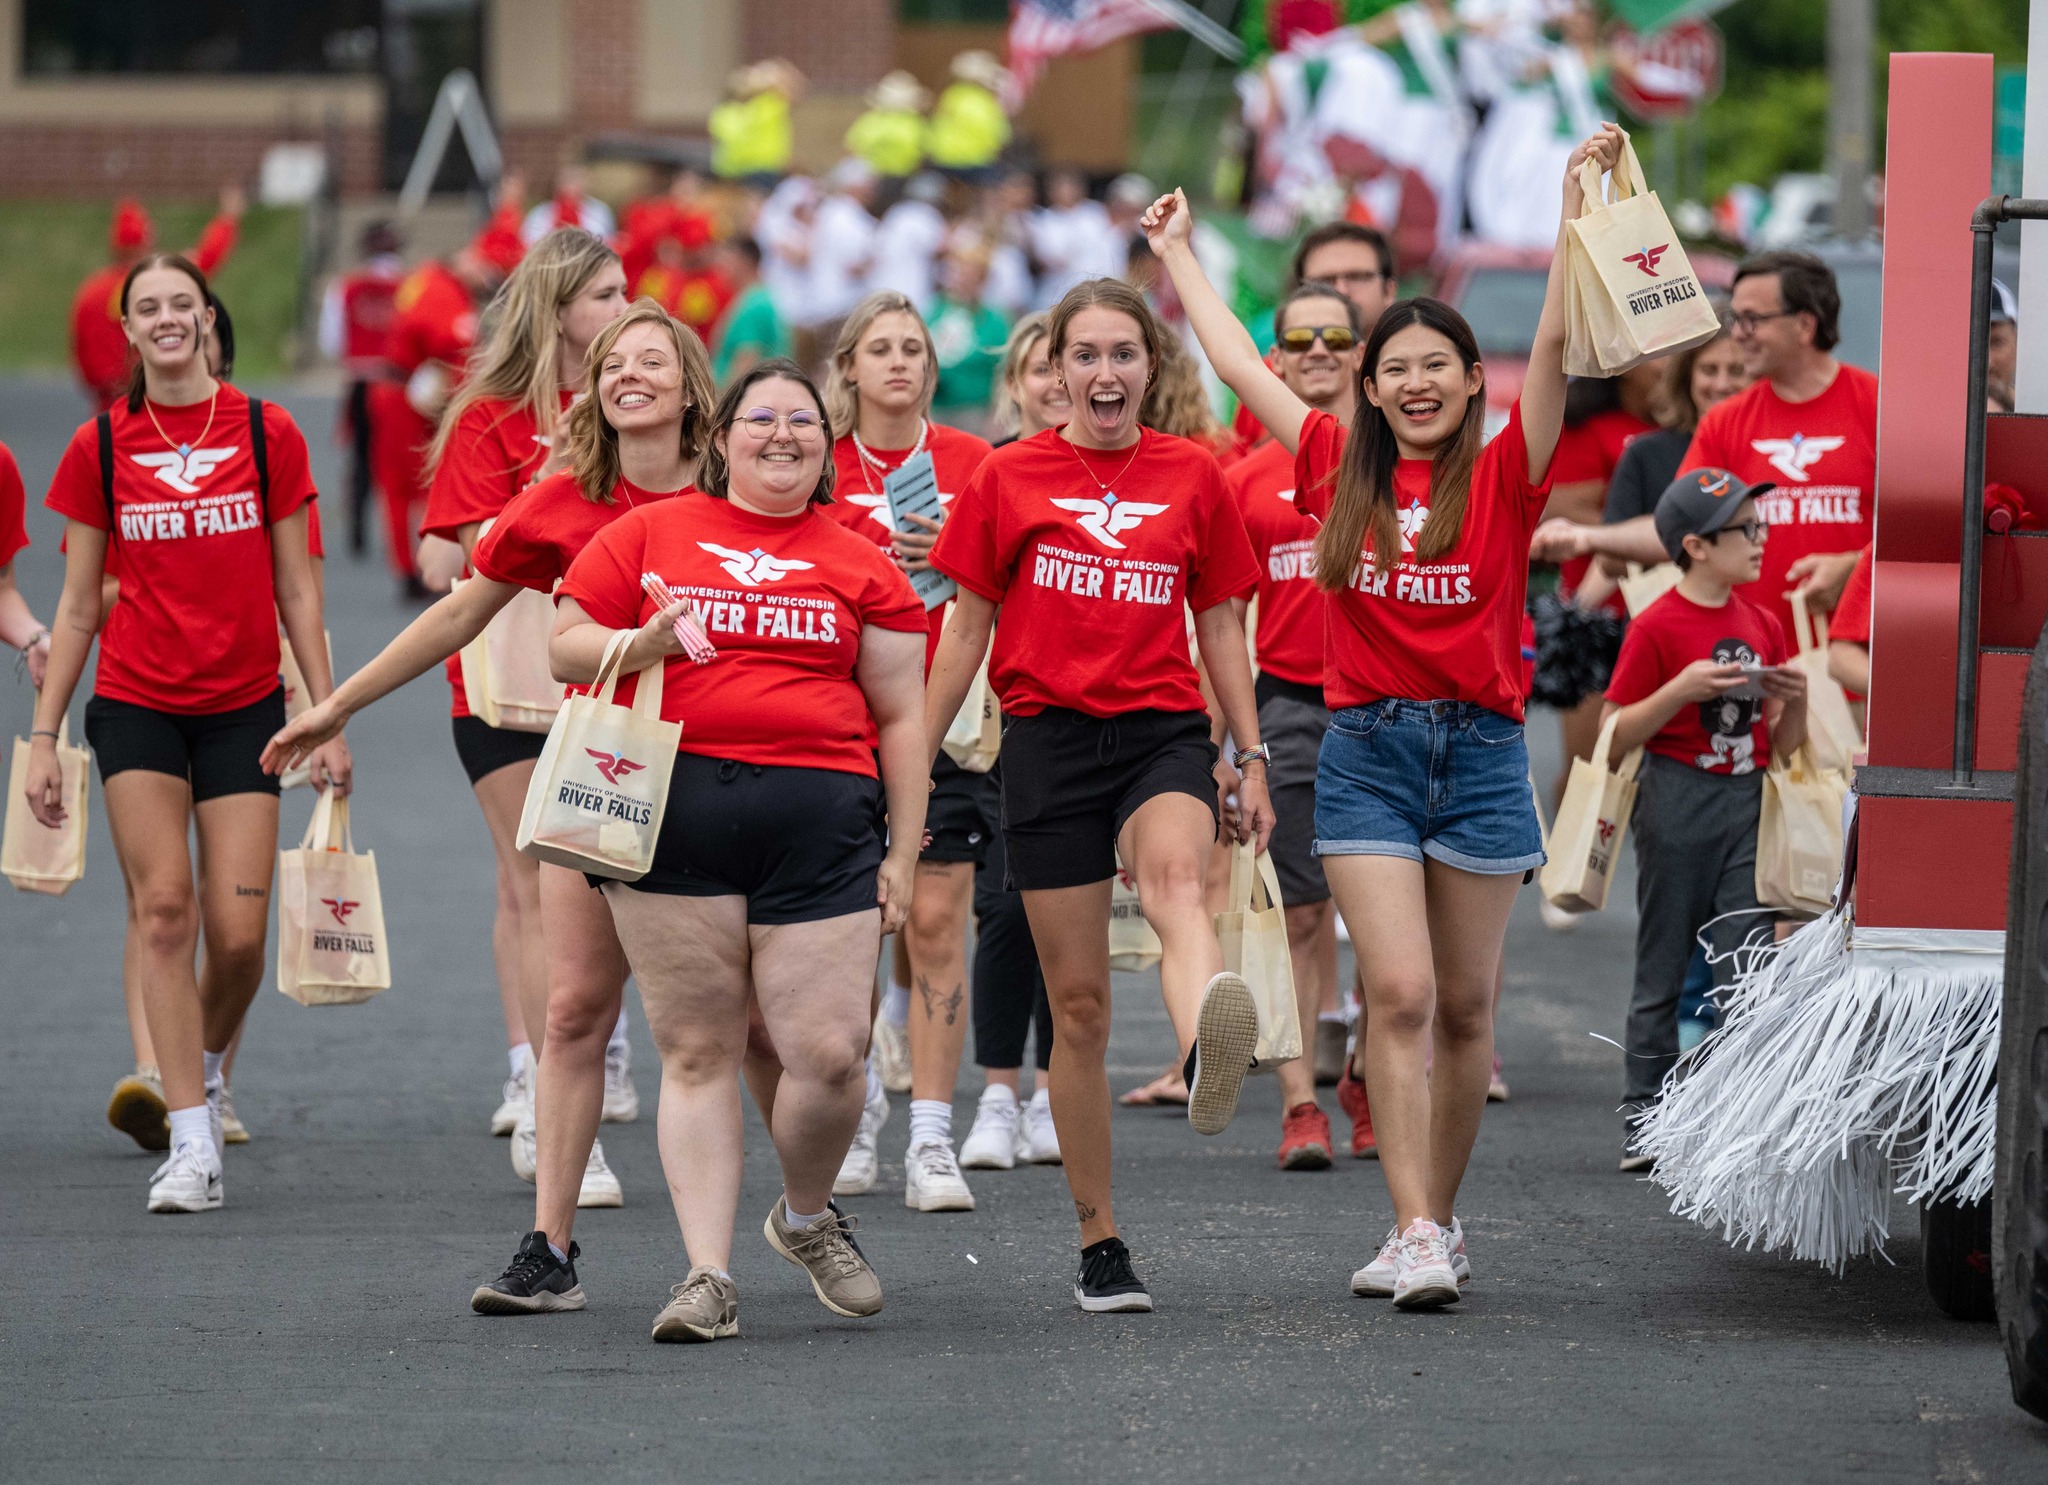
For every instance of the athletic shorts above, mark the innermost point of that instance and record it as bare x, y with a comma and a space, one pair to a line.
962, 813
1444, 779
1070, 781
216, 752
800, 844
485, 749
1292, 720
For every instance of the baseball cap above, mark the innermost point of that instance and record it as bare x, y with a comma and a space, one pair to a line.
1699, 503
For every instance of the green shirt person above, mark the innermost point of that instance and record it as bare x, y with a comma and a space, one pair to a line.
752, 328
967, 334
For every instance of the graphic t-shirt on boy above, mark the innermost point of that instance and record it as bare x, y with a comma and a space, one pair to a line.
784, 601
1290, 621
1449, 629
195, 631
1094, 559
1726, 735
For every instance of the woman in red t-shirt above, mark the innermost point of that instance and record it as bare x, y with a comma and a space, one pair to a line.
205, 497
879, 395
1095, 540
770, 864
19, 629
1424, 817
634, 438
495, 439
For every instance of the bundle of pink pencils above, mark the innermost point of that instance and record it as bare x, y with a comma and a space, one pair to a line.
689, 628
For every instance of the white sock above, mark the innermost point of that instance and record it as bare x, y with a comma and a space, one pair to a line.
194, 1126
212, 1061
560, 1256
519, 1056
993, 1093
618, 1036
797, 1219
896, 1004
1041, 1096
931, 1122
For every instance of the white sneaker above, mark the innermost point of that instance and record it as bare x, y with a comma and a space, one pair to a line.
1423, 1276
857, 1173
600, 1187
1376, 1279
932, 1181
232, 1129
216, 1118
518, 1101
892, 1055
1042, 1141
1460, 1264
525, 1147
994, 1143
190, 1181
621, 1098
1555, 918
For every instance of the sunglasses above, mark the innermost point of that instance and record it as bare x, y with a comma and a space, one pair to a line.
1335, 338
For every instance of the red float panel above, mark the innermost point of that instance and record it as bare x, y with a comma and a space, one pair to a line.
1932, 863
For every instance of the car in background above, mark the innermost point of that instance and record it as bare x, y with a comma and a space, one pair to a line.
1499, 291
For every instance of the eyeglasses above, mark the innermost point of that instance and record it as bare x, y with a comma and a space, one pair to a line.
1362, 277
1335, 338
761, 423
1753, 530
1746, 322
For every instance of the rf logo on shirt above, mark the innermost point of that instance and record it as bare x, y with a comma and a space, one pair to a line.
756, 567
1793, 457
182, 467
1108, 518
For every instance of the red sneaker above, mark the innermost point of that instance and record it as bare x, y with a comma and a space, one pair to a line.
1305, 1138
1351, 1098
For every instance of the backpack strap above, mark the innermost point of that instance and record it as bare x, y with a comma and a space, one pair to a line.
106, 426
260, 451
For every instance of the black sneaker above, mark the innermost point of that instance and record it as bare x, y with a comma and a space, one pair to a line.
535, 1282
1633, 1160
1107, 1284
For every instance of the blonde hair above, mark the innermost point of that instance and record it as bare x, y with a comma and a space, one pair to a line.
517, 361
842, 398
1177, 402
594, 443
1006, 414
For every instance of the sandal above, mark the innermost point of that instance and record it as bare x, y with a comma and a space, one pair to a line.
1169, 1089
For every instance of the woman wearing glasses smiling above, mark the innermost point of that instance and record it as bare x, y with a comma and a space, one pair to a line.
770, 865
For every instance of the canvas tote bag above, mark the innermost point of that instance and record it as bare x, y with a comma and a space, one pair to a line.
1133, 946
1252, 928
505, 673
330, 914
1831, 727
1631, 291
1645, 585
1592, 821
976, 736
32, 856
1799, 834
600, 788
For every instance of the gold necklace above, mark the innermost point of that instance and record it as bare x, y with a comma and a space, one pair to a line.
183, 449
1108, 495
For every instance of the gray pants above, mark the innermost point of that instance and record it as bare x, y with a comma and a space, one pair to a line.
1695, 836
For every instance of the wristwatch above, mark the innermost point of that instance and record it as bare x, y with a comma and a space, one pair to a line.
1243, 756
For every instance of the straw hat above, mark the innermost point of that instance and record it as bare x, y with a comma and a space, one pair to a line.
978, 66
899, 92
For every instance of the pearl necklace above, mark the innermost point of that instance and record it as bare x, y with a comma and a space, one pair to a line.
867, 456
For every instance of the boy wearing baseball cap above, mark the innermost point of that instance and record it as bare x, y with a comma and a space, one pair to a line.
1701, 685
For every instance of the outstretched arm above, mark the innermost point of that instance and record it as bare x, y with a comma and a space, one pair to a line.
1227, 344
1543, 388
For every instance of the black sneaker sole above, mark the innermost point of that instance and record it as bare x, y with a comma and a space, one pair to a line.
489, 1301
1138, 1303
138, 1113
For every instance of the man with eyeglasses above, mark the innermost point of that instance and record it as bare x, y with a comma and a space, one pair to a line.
1807, 424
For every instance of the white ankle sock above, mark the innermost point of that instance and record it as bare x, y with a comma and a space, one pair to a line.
896, 1004
618, 1036
560, 1256
193, 1126
998, 1093
519, 1056
1041, 1097
212, 1062
931, 1122
797, 1219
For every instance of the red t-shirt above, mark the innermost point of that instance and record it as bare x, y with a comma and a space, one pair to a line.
784, 600
435, 319
195, 631
859, 504
547, 525
493, 454
1727, 735
1851, 618
13, 504
1283, 540
1094, 558
1447, 630
1589, 451
1821, 454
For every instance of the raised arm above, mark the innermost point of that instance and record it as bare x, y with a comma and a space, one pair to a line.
962, 646
1232, 353
1543, 387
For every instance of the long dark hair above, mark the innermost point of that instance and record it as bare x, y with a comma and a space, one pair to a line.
1364, 499
715, 479
144, 264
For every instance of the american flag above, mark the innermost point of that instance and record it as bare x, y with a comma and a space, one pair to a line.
1043, 29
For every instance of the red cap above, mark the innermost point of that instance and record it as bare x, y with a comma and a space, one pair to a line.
693, 230
131, 228
568, 209
499, 246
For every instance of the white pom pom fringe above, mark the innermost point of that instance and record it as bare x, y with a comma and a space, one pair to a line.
1828, 1084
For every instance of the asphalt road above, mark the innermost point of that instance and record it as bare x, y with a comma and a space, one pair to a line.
318, 1328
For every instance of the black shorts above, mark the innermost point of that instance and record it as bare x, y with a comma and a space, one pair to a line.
800, 844
1070, 781
962, 813
216, 752
1292, 721
485, 749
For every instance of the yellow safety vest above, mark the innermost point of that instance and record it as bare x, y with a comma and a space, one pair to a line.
968, 128
891, 140
751, 136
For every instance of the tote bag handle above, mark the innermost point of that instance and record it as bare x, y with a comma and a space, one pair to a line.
647, 695
329, 828
1253, 885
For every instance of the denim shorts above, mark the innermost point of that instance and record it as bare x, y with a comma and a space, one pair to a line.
1445, 779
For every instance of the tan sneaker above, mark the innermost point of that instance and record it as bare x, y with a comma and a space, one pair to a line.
827, 1252
232, 1129
138, 1110
704, 1307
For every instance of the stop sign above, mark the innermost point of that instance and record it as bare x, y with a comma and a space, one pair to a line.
1669, 74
